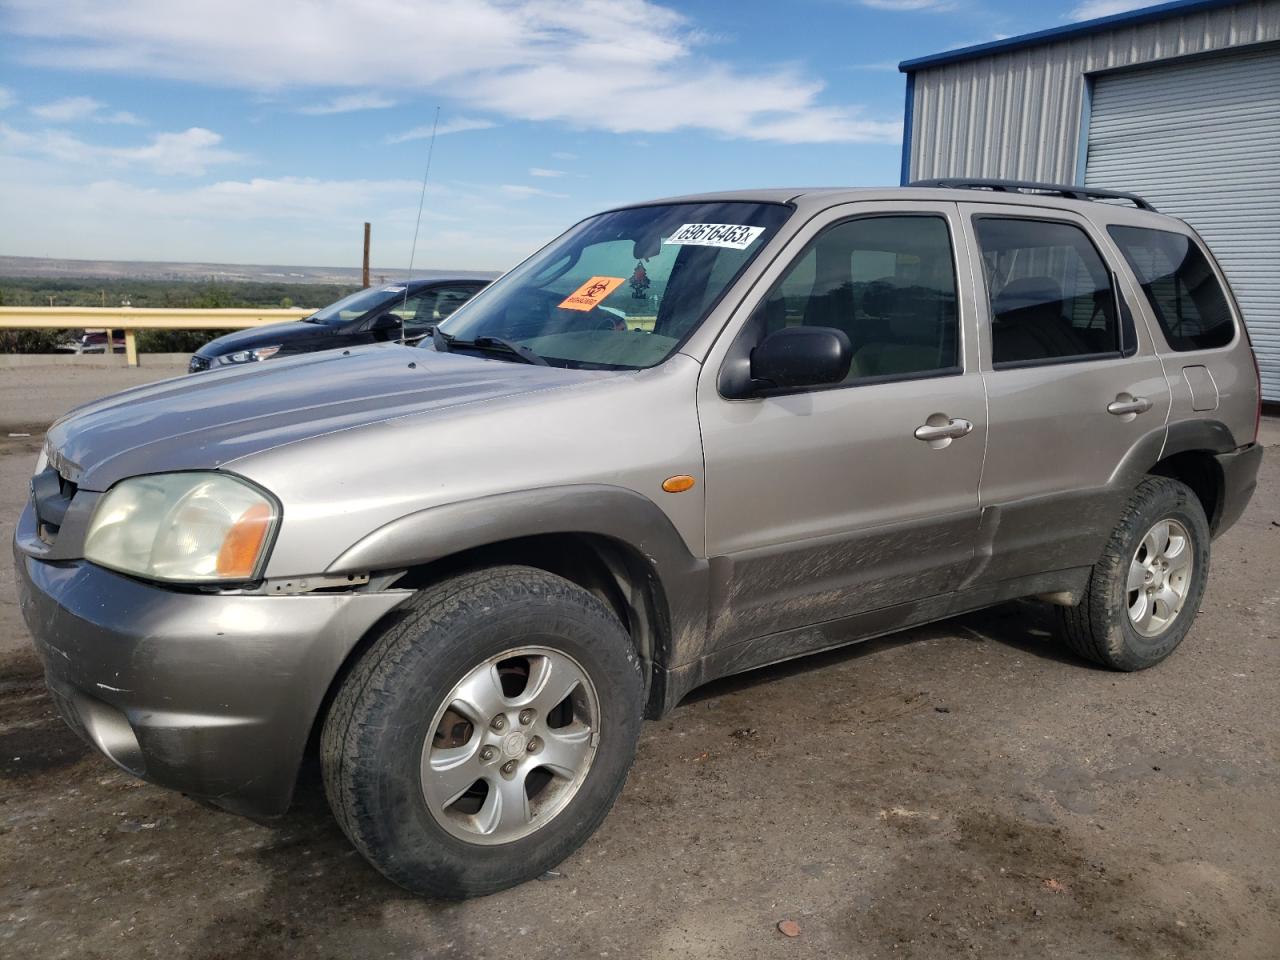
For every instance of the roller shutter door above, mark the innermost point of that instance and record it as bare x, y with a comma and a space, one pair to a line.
1200, 139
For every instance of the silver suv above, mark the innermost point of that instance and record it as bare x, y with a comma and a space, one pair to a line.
685, 439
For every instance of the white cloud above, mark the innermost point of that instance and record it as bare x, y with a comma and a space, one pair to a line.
122, 117
624, 66
544, 172
561, 155
188, 153
68, 109
456, 125
1092, 9
260, 220
7, 98
348, 103
75, 109
520, 190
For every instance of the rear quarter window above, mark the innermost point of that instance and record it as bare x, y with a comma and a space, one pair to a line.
1180, 286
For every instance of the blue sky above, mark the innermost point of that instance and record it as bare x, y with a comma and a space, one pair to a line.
266, 131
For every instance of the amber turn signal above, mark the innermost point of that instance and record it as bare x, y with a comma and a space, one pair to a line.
678, 484
243, 544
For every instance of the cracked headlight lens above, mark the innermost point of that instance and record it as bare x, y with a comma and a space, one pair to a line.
183, 528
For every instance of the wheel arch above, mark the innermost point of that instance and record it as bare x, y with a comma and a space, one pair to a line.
612, 541
1190, 455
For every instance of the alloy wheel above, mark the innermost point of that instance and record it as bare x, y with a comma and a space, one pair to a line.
512, 744
1159, 577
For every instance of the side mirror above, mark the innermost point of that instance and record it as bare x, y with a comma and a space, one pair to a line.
801, 357
387, 321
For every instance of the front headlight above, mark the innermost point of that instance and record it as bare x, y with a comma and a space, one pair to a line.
250, 356
183, 527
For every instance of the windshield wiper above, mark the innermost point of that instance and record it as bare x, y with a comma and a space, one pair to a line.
521, 351
444, 342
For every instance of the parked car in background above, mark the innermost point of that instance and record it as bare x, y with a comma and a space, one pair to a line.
687, 438
95, 341
394, 311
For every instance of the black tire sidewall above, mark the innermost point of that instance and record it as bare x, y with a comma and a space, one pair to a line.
1170, 500
407, 843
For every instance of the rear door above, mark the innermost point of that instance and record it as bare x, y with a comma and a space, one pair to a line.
823, 503
1076, 393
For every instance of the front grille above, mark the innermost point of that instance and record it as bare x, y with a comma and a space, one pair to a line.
197, 364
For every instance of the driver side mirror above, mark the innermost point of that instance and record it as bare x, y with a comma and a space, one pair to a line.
387, 321
796, 357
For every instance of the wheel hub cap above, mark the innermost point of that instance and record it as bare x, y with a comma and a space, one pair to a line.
511, 745
1159, 577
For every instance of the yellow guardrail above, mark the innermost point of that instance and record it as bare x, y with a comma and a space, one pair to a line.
133, 319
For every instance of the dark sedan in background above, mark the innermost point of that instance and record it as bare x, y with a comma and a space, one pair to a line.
395, 311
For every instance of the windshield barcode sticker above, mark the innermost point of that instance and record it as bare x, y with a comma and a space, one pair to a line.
731, 235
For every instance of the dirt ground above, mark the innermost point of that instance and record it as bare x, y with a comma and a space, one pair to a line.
966, 789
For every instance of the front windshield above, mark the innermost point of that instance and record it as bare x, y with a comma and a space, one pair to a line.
356, 305
621, 290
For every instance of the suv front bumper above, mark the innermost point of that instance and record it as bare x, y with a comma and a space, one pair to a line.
214, 695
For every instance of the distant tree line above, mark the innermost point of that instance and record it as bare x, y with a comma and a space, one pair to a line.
69, 292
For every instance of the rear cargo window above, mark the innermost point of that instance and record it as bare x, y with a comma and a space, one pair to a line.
1180, 285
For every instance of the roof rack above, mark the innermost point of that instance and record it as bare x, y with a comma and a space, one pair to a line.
1032, 187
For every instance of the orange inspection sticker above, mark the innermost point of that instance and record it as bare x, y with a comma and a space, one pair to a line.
592, 293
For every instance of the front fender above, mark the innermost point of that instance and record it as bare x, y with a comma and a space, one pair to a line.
602, 510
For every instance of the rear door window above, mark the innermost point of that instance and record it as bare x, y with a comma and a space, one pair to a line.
1051, 294
1180, 286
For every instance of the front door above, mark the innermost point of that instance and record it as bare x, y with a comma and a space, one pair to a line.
830, 502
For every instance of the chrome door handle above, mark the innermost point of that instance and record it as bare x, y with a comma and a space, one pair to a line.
951, 430
1125, 405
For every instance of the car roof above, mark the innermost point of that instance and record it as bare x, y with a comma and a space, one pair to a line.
817, 198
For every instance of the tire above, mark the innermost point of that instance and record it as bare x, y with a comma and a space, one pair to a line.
1101, 628
381, 732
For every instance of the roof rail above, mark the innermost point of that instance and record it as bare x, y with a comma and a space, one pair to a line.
1032, 187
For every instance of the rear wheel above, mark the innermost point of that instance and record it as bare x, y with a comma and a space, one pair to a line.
1145, 591
484, 737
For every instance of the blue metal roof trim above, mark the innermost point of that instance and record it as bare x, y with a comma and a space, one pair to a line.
1083, 28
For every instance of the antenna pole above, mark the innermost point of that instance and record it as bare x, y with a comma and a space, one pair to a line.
431, 148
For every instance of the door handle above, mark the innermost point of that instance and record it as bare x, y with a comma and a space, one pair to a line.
950, 430
1125, 405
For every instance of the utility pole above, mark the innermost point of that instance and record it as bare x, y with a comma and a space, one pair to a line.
364, 277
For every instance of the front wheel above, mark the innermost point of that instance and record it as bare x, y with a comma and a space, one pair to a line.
1145, 591
485, 736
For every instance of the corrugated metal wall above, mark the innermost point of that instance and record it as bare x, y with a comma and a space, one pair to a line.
1200, 139
1017, 115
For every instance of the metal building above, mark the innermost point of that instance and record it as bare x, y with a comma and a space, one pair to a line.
1178, 102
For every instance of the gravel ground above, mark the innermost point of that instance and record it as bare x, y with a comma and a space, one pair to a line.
961, 789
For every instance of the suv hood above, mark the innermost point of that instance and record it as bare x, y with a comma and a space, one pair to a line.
193, 423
